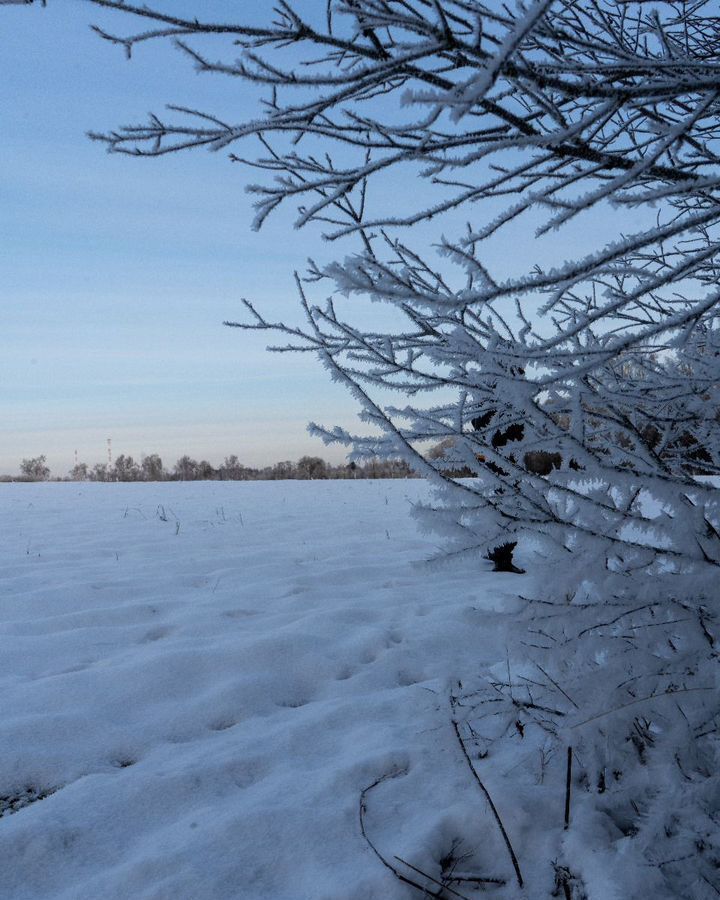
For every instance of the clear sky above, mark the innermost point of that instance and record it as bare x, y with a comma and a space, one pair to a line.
116, 274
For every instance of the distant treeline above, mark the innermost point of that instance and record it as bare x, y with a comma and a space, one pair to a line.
150, 468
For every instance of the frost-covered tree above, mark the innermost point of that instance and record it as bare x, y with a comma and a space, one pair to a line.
101, 472
126, 469
311, 467
187, 469
35, 468
79, 472
283, 470
152, 468
232, 469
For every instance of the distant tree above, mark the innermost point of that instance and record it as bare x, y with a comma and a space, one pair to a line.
205, 471
283, 470
311, 467
186, 468
441, 449
126, 469
35, 469
233, 470
80, 472
100, 472
152, 468
397, 468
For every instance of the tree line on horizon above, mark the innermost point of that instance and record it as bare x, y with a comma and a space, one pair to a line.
151, 468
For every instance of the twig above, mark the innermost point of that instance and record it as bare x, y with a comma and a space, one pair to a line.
709, 636
617, 618
444, 887
657, 696
516, 865
552, 681
477, 879
362, 810
568, 786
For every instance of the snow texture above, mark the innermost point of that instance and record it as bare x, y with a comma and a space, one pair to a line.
203, 684
198, 680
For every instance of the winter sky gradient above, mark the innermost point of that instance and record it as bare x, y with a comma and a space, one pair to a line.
117, 273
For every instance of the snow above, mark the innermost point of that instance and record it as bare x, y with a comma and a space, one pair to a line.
199, 679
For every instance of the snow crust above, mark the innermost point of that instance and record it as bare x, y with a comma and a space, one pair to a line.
199, 679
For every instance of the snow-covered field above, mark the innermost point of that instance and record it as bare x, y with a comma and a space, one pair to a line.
198, 680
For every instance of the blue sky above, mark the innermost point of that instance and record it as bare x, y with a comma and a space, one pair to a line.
116, 274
